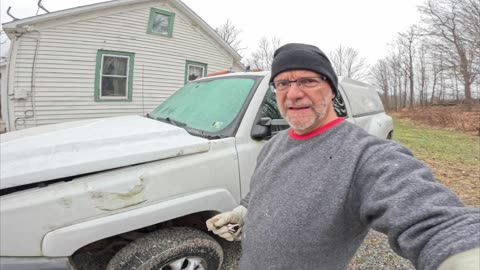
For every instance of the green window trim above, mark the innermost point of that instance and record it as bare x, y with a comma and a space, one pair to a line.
171, 19
98, 75
193, 63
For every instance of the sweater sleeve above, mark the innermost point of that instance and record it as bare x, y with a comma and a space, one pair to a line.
397, 194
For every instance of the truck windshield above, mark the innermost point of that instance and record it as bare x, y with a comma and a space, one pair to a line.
206, 105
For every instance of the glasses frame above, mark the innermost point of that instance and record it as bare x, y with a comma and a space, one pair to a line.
299, 85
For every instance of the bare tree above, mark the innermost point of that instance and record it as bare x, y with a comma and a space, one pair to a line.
262, 57
406, 41
380, 76
423, 76
454, 28
347, 62
400, 65
230, 34
397, 73
437, 68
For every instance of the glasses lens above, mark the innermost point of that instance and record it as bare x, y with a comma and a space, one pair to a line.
281, 85
308, 82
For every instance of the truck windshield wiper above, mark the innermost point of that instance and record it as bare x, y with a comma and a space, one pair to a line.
168, 120
203, 134
192, 131
175, 122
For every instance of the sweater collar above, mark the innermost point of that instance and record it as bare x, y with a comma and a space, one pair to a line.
315, 132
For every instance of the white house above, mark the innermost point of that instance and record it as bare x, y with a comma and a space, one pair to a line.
107, 59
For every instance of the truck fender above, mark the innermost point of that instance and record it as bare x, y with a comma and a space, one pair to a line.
378, 124
66, 240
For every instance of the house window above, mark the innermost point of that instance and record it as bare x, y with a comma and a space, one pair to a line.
194, 70
160, 22
114, 76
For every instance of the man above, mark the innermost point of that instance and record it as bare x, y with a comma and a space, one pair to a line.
321, 185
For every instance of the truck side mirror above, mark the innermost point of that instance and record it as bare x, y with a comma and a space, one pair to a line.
265, 121
263, 129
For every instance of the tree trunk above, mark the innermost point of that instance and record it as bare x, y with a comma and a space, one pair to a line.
433, 88
468, 93
411, 82
405, 92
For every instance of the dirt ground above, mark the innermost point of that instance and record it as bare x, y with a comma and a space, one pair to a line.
445, 117
463, 179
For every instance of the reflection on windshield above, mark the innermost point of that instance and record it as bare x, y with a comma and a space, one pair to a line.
209, 105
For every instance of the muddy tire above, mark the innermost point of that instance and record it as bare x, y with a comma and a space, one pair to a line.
170, 249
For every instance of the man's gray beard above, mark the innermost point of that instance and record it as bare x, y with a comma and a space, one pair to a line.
318, 116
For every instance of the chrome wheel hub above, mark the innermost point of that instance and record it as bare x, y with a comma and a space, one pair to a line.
186, 263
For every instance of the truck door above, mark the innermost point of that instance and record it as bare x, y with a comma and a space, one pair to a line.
247, 147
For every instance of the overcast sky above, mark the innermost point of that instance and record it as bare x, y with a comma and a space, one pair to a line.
365, 25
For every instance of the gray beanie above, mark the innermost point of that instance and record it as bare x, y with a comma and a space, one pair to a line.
303, 56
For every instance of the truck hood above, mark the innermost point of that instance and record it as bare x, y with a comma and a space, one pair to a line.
61, 150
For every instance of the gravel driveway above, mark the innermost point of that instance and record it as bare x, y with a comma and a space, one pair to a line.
375, 253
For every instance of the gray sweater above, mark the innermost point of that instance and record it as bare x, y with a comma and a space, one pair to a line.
312, 202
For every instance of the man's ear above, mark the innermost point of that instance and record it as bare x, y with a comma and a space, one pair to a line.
334, 95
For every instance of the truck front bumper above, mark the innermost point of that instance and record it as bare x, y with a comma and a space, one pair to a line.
35, 263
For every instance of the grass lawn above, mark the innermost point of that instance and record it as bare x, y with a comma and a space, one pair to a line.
446, 145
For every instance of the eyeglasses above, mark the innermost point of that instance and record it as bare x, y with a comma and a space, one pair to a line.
304, 84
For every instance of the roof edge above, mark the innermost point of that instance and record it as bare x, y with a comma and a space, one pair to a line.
207, 27
12, 25
16, 25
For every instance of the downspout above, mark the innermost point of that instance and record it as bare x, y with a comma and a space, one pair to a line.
9, 94
30, 113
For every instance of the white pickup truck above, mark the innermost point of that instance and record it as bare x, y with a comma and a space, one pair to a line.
144, 186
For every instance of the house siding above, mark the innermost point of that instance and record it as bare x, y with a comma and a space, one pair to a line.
65, 63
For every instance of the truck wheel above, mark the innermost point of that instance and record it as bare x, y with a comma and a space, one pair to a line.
170, 249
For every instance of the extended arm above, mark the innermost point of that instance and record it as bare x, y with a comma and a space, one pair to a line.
425, 222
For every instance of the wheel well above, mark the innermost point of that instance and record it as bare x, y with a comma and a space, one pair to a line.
111, 245
390, 135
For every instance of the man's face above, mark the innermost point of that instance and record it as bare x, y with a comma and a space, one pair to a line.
305, 110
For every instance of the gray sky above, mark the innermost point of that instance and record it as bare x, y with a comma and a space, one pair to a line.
366, 25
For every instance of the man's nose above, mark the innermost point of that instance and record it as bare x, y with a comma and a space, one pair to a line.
294, 92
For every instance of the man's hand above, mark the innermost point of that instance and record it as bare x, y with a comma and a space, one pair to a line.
223, 224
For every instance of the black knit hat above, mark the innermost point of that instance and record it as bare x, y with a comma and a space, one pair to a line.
303, 56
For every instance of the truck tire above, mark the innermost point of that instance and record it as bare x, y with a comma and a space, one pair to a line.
170, 249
